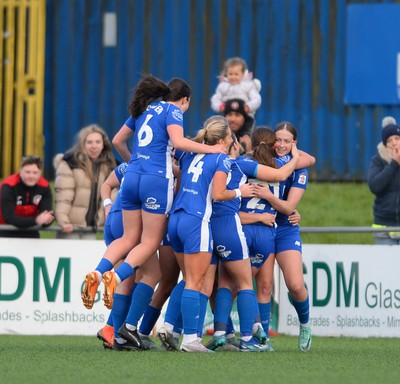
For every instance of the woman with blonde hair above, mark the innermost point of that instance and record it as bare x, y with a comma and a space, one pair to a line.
203, 179
79, 176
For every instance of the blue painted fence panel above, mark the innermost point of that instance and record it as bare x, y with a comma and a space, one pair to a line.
295, 47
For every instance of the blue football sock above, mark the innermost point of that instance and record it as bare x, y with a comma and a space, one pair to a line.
303, 310
229, 326
222, 309
120, 310
202, 315
149, 320
104, 266
190, 308
178, 327
265, 313
257, 316
246, 307
141, 298
125, 271
110, 320
174, 304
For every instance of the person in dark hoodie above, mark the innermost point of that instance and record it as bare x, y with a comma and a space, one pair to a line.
26, 200
239, 121
384, 183
79, 176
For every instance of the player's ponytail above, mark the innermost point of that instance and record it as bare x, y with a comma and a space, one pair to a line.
262, 142
148, 90
178, 89
215, 128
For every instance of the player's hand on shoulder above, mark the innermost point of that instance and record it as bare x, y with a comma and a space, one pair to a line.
218, 148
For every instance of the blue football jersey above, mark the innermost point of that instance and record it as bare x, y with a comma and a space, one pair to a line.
258, 205
195, 192
152, 147
298, 179
242, 167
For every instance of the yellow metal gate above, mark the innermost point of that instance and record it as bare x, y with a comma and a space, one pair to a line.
22, 44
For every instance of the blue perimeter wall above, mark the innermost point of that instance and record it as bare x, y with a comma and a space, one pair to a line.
297, 48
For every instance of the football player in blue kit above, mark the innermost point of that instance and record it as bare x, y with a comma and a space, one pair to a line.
258, 218
203, 178
288, 244
156, 124
231, 248
149, 273
113, 229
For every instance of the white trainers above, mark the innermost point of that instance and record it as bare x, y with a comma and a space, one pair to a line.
305, 338
167, 340
195, 346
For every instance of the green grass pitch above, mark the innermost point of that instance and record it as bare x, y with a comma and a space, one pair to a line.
78, 359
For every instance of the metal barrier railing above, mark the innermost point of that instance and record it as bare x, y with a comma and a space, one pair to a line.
56, 228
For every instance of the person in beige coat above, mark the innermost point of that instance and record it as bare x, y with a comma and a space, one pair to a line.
79, 176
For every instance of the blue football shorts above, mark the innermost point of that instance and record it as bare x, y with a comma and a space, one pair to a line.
288, 239
229, 239
261, 242
150, 193
113, 228
189, 234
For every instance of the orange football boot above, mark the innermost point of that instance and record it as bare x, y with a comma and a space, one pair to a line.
90, 289
110, 285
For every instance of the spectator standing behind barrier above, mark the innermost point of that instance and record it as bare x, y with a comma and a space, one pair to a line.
240, 122
384, 183
79, 176
236, 82
26, 199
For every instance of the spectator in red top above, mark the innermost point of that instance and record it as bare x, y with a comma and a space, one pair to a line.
26, 200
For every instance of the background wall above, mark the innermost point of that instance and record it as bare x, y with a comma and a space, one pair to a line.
297, 48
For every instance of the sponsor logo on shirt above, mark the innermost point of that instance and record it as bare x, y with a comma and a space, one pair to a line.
190, 191
140, 156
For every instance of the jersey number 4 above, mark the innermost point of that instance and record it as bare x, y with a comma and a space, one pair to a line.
196, 167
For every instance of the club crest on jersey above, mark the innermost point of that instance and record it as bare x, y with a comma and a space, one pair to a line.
227, 163
177, 115
37, 199
151, 203
302, 179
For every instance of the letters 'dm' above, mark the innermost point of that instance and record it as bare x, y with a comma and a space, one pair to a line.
40, 272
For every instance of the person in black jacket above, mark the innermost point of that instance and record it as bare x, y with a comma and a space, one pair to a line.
384, 183
26, 200
240, 122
